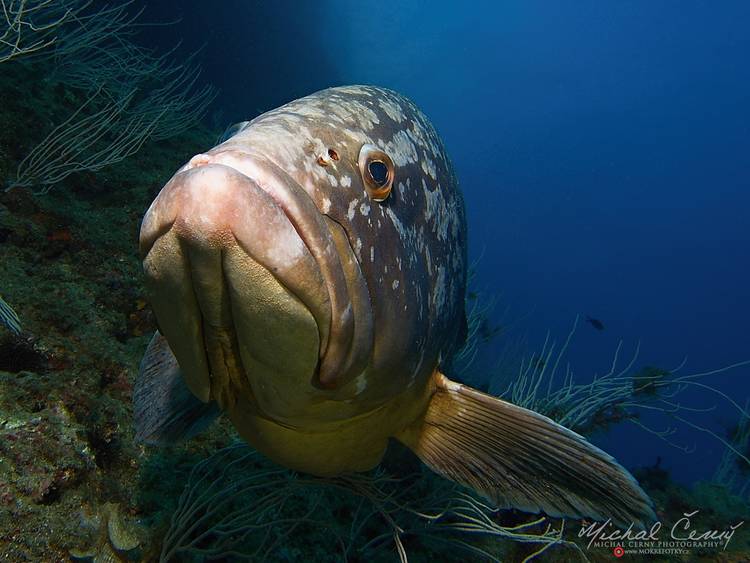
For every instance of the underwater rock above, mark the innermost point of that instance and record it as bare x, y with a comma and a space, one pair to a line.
21, 353
42, 455
115, 537
44, 459
68, 267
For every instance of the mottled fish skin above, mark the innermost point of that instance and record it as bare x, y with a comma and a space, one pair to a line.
410, 248
319, 314
407, 281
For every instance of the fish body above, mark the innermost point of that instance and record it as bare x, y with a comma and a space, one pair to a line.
308, 275
384, 281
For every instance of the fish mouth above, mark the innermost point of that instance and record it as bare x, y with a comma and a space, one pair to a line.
251, 285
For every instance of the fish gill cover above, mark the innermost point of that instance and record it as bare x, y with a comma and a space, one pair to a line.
601, 151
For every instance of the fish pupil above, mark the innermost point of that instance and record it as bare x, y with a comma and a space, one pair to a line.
378, 171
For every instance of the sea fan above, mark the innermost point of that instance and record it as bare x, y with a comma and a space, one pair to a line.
9, 318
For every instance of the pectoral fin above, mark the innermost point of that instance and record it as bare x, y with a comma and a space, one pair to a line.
521, 459
164, 408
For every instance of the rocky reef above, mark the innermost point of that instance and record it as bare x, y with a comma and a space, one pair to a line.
70, 269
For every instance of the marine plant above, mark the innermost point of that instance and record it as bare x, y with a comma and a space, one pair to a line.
101, 132
238, 505
733, 471
125, 94
617, 395
647, 379
9, 318
479, 329
30, 26
477, 312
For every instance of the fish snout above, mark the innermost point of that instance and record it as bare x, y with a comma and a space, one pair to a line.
236, 291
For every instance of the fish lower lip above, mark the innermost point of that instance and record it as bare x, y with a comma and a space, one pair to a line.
207, 227
343, 349
239, 197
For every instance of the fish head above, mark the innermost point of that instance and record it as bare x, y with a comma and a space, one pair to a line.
317, 255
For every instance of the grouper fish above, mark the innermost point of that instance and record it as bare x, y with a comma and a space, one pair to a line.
308, 277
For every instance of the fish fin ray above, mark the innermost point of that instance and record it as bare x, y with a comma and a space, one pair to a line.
520, 459
164, 409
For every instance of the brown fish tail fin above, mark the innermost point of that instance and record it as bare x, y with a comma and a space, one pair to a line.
521, 459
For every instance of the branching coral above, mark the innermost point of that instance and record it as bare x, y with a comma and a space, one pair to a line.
9, 318
99, 133
478, 311
733, 471
129, 95
238, 505
618, 395
30, 26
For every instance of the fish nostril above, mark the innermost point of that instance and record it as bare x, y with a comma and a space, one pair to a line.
199, 160
333, 154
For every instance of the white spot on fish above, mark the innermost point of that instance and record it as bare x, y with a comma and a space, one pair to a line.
361, 385
364, 209
352, 207
394, 285
439, 294
346, 181
401, 149
437, 214
325, 205
391, 109
428, 167
346, 315
366, 117
372, 254
419, 366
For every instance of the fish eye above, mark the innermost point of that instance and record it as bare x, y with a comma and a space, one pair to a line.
377, 171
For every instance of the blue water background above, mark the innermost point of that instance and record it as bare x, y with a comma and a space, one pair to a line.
603, 149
